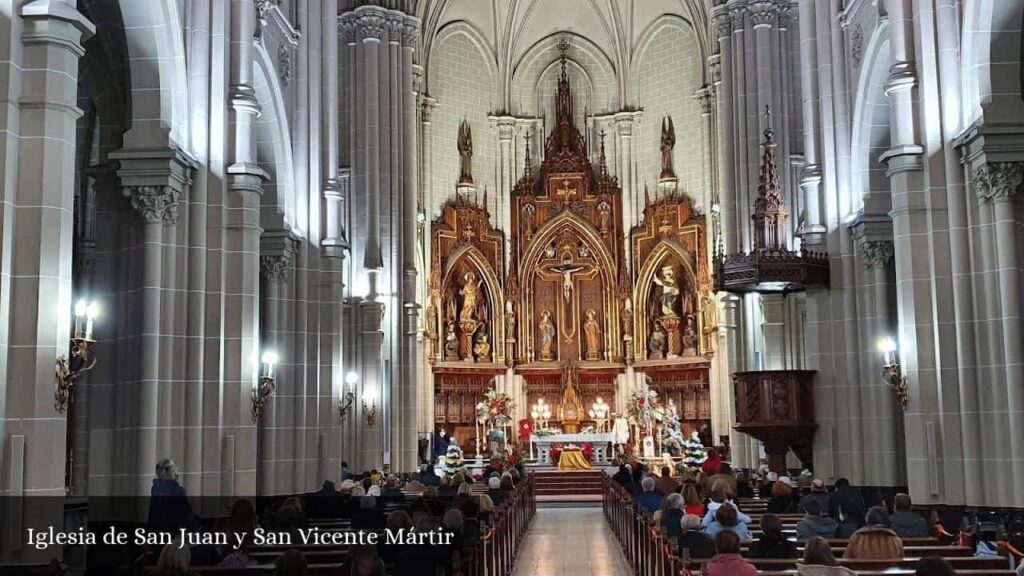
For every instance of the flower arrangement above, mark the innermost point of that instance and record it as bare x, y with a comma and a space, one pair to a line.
626, 454
495, 409
643, 408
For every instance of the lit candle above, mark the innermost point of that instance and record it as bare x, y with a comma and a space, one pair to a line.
91, 311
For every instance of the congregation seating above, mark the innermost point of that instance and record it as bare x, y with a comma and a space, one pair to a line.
651, 555
492, 555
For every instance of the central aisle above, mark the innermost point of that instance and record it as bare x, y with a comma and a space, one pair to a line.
574, 541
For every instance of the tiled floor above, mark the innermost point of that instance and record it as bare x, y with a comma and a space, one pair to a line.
570, 541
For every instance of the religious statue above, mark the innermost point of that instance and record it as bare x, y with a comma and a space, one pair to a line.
668, 142
465, 153
604, 212
451, 343
583, 251
431, 321
627, 318
669, 290
549, 251
566, 270
690, 334
482, 346
547, 335
470, 292
510, 321
529, 211
449, 313
658, 343
593, 332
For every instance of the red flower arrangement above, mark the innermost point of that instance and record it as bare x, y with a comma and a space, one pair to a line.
588, 451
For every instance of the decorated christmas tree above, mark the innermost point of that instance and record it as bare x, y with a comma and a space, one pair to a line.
694, 454
453, 457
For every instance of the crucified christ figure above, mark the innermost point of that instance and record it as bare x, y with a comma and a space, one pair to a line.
567, 270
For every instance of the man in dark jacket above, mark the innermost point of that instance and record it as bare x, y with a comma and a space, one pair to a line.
905, 522
699, 544
819, 493
848, 500
428, 477
815, 523
623, 477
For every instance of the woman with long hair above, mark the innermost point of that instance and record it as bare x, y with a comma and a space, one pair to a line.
819, 560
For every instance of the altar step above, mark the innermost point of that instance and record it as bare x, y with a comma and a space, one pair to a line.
555, 485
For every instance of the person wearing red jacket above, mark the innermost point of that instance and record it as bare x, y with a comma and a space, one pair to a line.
712, 464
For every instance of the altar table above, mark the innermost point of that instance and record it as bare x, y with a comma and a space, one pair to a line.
572, 459
602, 444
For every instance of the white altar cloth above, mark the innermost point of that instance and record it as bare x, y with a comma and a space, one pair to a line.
602, 444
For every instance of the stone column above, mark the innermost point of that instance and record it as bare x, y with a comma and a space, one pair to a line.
370, 20
727, 94
810, 179
505, 127
276, 265
40, 66
406, 459
370, 439
996, 183
157, 206
883, 417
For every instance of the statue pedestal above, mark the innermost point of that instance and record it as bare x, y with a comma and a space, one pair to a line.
466, 339
671, 326
593, 356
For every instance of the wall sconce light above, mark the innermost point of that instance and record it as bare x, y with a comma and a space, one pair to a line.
370, 412
541, 413
345, 403
892, 373
265, 388
69, 369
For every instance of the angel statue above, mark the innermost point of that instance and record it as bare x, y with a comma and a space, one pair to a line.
668, 142
465, 153
669, 291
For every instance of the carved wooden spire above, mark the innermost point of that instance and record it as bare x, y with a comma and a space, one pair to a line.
769, 208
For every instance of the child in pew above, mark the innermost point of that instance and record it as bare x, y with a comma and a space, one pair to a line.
819, 561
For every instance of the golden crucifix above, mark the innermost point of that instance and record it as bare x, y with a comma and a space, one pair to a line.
565, 193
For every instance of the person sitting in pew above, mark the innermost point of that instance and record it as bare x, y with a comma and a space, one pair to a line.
692, 538
486, 514
325, 502
289, 517
818, 492
672, 516
819, 561
368, 565
904, 521
369, 517
782, 498
431, 498
743, 487
875, 541
650, 499
846, 500
772, 543
174, 560
765, 490
428, 477
727, 519
419, 560
291, 563
693, 504
241, 523
727, 560
623, 477
815, 524
390, 550
665, 484
934, 566
391, 488
720, 498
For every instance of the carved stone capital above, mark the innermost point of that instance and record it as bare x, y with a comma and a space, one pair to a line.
737, 17
706, 99
370, 23
154, 203
410, 32
875, 253
722, 23
265, 6
395, 21
763, 13
347, 29
427, 109
997, 180
786, 16
278, 250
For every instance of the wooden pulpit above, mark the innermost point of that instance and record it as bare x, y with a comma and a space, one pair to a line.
777, 408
